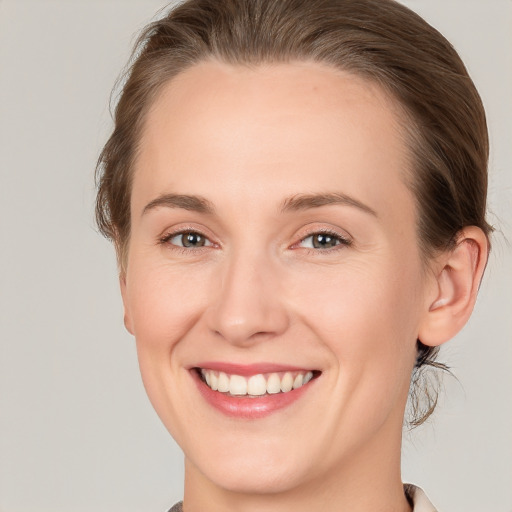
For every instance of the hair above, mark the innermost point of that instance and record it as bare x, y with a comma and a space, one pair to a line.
379, 40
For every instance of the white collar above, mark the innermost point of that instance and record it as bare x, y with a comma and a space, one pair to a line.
419, 499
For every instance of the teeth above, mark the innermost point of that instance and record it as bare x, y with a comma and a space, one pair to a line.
223, 385
214, 381
237, 385
256, 385
273, 384
298, 382
287, 382
307, 378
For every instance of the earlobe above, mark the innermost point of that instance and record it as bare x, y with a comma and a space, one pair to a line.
127, 316
454, 287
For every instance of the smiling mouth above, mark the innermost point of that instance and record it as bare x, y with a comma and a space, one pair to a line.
257, 385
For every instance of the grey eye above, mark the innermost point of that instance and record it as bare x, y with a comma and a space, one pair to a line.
321, 241
190, 239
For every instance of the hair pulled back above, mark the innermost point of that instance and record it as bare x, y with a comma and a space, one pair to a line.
380, 40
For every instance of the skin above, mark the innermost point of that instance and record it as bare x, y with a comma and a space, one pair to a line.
247, 140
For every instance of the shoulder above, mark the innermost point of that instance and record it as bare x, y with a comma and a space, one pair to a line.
418, 499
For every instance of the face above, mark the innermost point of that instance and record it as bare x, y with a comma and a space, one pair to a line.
273, 253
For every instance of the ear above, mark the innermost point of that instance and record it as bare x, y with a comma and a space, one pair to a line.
455, 284
124, 294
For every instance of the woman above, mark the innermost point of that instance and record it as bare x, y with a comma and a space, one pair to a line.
296, 191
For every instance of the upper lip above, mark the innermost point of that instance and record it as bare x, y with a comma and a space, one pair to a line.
247, 370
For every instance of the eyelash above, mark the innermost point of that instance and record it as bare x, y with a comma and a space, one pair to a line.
165, 240
342, 242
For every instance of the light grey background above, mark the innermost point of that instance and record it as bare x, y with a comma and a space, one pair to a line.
76, 430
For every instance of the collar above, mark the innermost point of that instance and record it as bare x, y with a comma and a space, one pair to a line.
418, 499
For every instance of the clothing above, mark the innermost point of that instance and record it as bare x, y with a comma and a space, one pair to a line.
415, 495
418, 499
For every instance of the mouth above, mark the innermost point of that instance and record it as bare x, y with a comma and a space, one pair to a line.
252, 392
256, 385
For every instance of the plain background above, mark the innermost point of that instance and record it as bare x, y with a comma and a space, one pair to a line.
77, 432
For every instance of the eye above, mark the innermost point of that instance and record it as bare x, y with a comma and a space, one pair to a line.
188, 239
323, 241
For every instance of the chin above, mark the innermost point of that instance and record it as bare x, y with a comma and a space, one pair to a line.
253, 476
248, 465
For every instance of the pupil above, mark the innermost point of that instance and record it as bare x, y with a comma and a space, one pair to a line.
192, 240
323, 241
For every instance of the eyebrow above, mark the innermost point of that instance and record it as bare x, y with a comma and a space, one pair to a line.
307, 201
186, 202
292, 204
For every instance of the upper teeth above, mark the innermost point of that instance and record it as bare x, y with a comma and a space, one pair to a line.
256, 385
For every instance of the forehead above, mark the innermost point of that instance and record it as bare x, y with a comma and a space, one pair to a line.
274, 129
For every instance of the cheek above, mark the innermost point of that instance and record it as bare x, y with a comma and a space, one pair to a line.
367, 314
165, 304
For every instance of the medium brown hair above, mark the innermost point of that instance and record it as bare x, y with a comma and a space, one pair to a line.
380, 40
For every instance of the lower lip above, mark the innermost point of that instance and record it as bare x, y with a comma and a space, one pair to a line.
245, 406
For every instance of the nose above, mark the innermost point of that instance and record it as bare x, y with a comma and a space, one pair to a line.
248, 305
